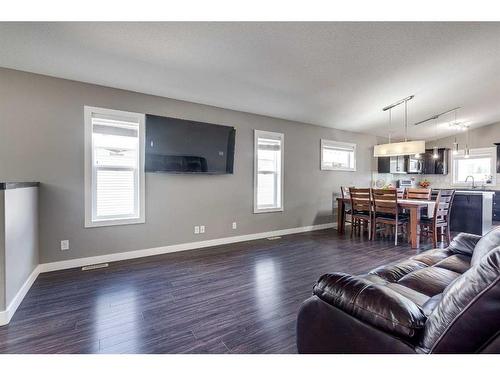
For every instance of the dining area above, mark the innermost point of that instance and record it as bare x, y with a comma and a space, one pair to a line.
404, 214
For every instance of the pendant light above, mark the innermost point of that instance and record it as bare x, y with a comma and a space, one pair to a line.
455, 143
435, 153
400, 148
467, 150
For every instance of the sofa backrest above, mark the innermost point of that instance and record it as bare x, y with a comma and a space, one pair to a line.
468, 316
488, 242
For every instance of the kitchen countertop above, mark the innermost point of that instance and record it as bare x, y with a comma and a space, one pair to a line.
475, 192
17, 185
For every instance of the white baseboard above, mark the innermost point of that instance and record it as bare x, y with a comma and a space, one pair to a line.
80, 262
6, 315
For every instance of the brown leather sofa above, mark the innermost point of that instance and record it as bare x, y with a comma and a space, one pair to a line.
440, 301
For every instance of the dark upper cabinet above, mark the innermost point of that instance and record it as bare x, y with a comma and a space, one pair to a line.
399, 164
435, 166
428, 164
384, 165
442, 161
392, 164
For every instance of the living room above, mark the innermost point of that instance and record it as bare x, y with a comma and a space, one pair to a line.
249, 187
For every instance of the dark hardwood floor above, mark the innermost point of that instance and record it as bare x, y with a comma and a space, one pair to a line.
237, 298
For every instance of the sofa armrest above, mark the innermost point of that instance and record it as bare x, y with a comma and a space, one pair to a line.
325, 329
375, 304
464, 243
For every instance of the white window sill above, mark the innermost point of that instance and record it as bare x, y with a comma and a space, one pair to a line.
112, 222
338, 169
267, 210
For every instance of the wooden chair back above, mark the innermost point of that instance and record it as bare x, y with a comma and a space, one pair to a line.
401, 193
344, 191
418, 193
385, 201
360, 200
442, 209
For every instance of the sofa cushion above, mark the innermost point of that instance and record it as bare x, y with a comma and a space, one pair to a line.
467, 316
464, 243
487, 243
371, 302
458, 263
429, 281
393, 273
431, 257
417, 298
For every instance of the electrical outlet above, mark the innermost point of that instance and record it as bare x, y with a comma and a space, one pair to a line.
235, 225
64, 245
197, 230
202, 229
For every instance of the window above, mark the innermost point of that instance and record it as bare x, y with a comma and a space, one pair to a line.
338, 156
480, 164
268, 171
114, 167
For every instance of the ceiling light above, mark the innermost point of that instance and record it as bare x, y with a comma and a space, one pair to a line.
400, 148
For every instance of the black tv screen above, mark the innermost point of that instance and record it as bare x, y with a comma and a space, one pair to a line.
182, 146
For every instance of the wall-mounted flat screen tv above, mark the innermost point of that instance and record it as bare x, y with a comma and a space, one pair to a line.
183, 146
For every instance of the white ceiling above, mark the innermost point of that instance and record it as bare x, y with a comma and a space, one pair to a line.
335, 74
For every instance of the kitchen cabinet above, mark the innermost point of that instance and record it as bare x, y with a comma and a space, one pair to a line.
398, 164
435, 166
496, 206
393, 164
498, 157
384, 164
472, 211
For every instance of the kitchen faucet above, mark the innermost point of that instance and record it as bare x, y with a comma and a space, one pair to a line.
473, 184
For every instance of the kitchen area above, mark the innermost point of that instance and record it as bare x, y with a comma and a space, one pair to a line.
476, 205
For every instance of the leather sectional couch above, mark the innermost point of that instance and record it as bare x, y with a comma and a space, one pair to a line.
440, 301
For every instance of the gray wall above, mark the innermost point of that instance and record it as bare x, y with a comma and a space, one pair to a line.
21, 238
484, 136
42, 136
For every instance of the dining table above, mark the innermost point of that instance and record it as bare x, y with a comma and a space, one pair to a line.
413, 206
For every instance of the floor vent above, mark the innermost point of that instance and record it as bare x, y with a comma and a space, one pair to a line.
94, 266
274, 238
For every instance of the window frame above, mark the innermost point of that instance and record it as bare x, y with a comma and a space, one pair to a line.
90, 171
490, 152
327, 142
275, 136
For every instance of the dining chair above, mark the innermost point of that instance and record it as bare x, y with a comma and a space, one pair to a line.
401, 193
344, 191
439, 223
361, 210
386, 211
418, 193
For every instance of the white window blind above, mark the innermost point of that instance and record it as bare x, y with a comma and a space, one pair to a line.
338, 156
268, 170
115, 165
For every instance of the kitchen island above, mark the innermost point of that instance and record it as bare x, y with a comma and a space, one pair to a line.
472, 211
